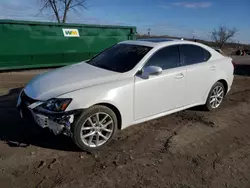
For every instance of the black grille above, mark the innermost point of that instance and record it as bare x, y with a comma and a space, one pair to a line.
27, 100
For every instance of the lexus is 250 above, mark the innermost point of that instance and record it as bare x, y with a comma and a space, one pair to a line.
126, 84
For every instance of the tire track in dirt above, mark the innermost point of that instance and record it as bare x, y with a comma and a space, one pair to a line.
196, 131
233, 170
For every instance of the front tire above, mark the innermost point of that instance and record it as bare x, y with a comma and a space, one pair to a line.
215, 96
94, 128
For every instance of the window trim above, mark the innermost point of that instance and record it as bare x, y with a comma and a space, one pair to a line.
182, 57
179, 64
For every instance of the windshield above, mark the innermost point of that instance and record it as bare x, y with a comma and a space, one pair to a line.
120, 57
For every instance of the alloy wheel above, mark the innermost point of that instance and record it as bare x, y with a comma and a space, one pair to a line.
97, 129
216, 97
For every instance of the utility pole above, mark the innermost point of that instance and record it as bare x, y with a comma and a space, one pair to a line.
149, 32
194, 36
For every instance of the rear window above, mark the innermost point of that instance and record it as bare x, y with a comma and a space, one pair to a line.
120, 57
207, 55
193, 54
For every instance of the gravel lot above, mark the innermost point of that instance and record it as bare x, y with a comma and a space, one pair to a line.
188, 149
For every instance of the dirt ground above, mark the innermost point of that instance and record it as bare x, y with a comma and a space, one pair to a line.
189, 149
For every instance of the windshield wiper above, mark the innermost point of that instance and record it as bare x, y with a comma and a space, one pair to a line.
102, 66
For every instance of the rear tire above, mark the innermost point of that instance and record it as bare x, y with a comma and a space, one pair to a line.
95, 128
215, 97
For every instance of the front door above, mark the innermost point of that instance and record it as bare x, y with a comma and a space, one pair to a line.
164, 92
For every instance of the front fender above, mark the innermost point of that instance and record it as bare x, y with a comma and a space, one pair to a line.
118, 94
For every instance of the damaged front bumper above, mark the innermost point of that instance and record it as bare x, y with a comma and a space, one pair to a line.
57, 122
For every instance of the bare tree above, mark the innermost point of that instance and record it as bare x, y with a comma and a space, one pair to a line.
222, 35
60, 8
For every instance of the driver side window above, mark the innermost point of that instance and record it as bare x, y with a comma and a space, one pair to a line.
166, 58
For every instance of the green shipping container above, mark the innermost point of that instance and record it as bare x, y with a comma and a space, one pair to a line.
43, 44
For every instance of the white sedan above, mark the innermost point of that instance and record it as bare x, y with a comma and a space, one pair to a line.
126, 84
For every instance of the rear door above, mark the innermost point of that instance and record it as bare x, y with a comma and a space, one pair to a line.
200, 72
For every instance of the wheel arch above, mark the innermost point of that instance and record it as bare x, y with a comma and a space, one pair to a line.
221, 80
115, 110
225, 84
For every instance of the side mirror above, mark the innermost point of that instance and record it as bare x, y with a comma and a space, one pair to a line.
151, 70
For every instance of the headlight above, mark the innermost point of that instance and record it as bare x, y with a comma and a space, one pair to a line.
56, 105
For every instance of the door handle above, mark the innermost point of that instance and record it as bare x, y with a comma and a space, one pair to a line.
212, 68
179, 76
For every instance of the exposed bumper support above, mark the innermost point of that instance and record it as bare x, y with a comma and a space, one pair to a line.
57, 122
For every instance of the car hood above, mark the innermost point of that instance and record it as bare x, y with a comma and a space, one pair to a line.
66, 79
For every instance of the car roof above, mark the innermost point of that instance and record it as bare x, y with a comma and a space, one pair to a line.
156, 39
162, 42
153, 42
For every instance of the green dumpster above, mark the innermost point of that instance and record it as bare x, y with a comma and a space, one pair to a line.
27, 44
